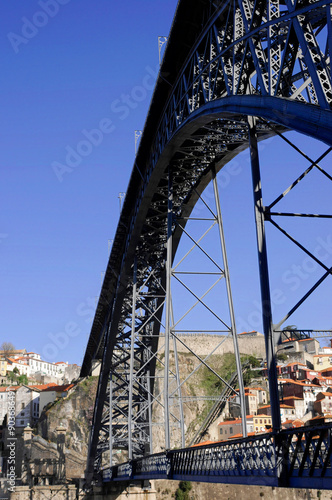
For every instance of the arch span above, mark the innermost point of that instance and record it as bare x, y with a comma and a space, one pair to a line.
224, 62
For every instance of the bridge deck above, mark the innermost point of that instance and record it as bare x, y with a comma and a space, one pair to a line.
296, 458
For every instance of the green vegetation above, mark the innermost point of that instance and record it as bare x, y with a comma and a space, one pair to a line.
225, 366
86, 384
22, 380
209, 384
182, 493
282, 356
15, 377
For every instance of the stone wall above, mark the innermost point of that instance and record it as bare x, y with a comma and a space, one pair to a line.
43, 450
55, 492
165, 490
204, 344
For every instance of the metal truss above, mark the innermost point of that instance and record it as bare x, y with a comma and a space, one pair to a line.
291, 335
131, 392
266, 60
293, 458
187, 279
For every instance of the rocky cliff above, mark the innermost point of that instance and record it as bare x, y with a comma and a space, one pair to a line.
74, 412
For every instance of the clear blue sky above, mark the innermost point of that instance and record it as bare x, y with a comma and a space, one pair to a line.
58, 80
67, 149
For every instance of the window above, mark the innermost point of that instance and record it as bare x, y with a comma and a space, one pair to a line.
221, 431
22, 406
231, 430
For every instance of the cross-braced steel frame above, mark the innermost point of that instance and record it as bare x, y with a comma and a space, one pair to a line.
254, 69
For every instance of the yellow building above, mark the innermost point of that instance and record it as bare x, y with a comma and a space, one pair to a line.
262, 422
322, 361
3, 367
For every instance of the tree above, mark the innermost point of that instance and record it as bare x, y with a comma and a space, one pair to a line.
282, 356
23, 379
11, 376
7, 347
182, 493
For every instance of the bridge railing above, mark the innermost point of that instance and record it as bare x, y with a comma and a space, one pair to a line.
298, 458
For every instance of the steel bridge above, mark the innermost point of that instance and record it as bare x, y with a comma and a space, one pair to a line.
234, 72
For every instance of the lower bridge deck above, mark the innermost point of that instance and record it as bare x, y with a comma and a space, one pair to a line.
296, 458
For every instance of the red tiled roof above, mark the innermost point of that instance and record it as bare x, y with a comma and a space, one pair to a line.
235, 420
247, 333
240, 435
326, 415
42, 387
231, 422
303, 384
293, 397
281, 406
295, 423
203, 443
59, 388
296, 363
326, 393
298, 422
10, 388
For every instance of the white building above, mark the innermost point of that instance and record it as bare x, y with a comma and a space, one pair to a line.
4, 400
31, 364
50, 394
19, 363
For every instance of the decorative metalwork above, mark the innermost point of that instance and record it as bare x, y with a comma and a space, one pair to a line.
294, 458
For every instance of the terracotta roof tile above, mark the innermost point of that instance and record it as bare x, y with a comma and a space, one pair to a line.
59, 388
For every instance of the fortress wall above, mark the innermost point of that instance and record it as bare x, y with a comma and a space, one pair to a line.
203, 344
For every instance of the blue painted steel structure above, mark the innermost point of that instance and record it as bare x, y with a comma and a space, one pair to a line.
297, 458
234, 72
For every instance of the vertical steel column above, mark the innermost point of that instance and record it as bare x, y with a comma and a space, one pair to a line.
131, 368
177, 374
168, 306
148, 449
110, 421
230, 304
264, 276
